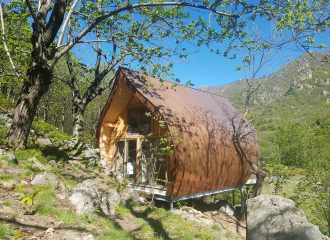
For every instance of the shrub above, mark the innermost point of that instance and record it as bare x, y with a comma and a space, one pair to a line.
59, 136
40, 127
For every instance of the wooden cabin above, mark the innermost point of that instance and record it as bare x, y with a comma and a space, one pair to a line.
206, 161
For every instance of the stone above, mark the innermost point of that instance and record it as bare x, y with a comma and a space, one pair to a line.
60, 165
24, 182
109, 202
61, 196
10, 183
8, 155
89, 237
85, 197
8, 123
45, 178
44, 141
274, 217
92, 154
38, 165
52, 163
50, 230
134, 195
226, 208
119, 176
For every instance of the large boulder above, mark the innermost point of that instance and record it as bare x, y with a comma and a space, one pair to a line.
85, 197
91, 154
271, 217
109, 202
45, 178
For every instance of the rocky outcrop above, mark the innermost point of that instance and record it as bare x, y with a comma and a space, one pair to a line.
38, 165
109, 202
226, 208
6, 118
46, 178
9, 183
193, 215
274, 217
85, 197
92, 155
8, 155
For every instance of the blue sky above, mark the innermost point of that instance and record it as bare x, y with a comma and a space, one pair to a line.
207, 68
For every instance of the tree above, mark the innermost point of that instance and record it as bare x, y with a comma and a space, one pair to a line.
48, 34
15, 44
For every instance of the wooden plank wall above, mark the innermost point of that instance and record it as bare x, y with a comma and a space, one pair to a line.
117, 118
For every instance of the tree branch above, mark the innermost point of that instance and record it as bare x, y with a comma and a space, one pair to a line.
129, 7
31, 10
66, 21
5, 43
54, 23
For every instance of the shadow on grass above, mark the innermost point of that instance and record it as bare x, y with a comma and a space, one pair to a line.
54, 153
156, 225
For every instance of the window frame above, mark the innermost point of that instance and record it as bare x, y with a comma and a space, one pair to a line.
139, 120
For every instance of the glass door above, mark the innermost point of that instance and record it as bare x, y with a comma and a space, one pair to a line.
130, 171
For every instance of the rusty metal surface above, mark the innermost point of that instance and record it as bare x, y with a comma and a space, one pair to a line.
208, 158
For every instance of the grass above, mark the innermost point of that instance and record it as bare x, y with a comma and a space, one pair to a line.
7, 203
7, 177
6, 231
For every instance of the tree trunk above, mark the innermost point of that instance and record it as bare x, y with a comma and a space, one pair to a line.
78, 111
34, 87
257, 188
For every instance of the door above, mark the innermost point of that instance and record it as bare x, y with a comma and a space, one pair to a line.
131, 159
152, 162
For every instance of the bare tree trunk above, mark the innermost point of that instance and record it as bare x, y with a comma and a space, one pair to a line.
62, 122
37, 84
78, 111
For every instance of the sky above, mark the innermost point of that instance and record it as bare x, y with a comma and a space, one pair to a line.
207, 68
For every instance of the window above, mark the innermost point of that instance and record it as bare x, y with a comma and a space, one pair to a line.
138, 122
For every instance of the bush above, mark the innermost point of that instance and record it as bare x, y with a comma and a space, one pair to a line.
41, 127
59, 136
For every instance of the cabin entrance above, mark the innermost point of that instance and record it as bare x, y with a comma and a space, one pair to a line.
140, 162
125, 158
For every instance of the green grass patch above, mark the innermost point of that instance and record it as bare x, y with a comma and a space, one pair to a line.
30, 153
120, 209
7, 177
6, 231
7, 203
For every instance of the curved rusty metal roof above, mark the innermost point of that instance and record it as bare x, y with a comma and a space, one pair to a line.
208, 158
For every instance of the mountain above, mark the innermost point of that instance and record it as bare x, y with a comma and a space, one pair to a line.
295, 91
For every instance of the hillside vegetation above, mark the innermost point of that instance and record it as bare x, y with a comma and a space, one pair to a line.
294, 92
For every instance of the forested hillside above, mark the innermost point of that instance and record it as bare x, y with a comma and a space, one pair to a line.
295, 92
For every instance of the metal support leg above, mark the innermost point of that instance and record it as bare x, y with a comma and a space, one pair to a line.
171, 207
233, 197
242, 201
